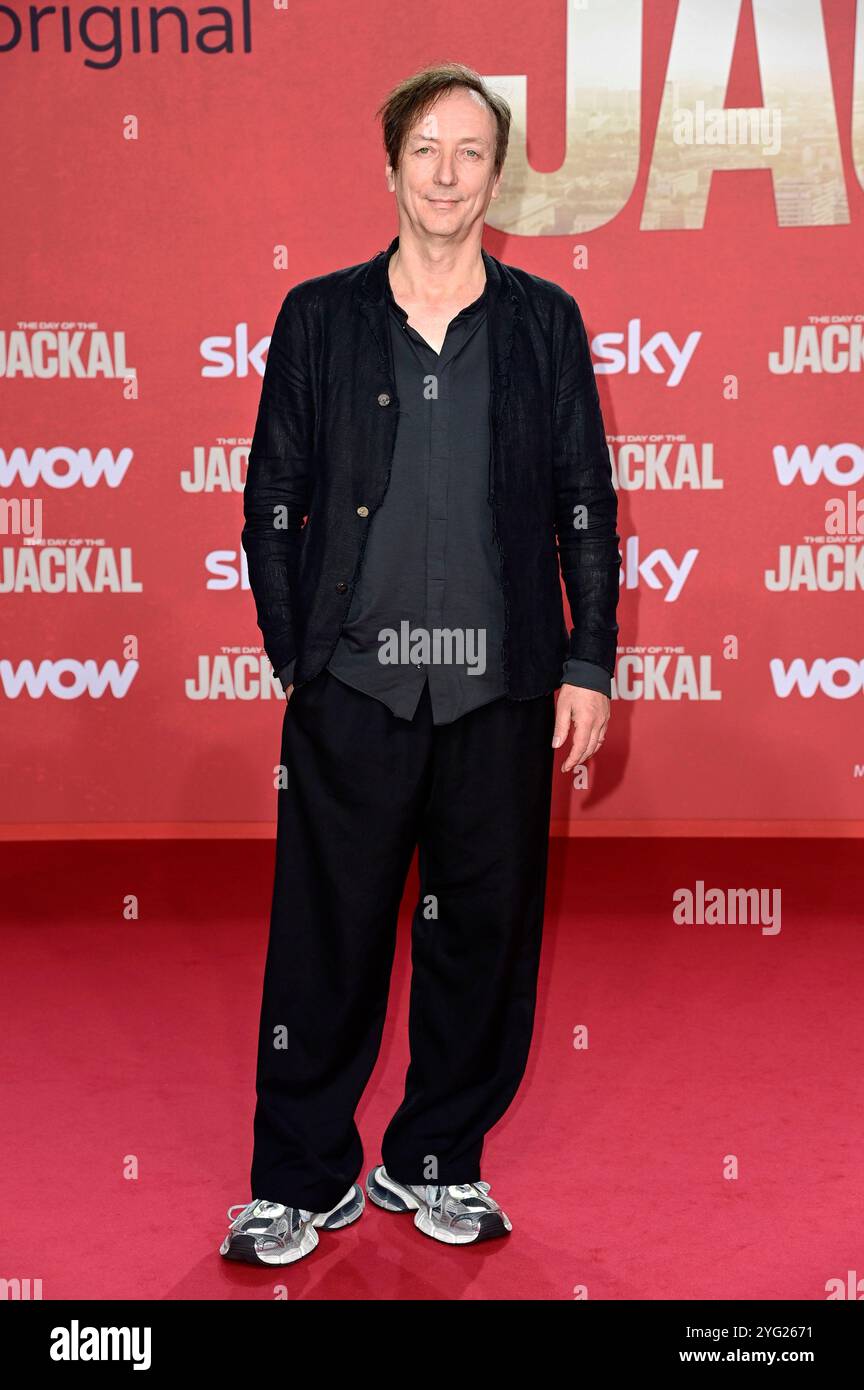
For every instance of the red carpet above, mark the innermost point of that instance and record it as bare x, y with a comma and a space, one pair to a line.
133, 1042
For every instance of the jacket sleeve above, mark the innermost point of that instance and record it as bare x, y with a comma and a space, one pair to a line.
588, 675
279, 482
586, 506
286, 675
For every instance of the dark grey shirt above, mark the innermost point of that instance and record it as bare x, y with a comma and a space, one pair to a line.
428, 604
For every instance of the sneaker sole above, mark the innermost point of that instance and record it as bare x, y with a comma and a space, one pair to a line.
242, 1248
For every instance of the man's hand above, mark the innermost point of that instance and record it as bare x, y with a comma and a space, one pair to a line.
587, 711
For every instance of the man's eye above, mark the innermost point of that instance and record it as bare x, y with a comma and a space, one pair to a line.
477, 152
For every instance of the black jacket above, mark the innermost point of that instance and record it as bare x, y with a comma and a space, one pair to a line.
323, 445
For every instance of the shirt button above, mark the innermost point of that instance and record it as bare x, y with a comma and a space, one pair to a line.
362, 511
383, 399
341, 587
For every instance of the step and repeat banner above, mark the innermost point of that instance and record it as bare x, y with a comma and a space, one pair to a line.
691, 172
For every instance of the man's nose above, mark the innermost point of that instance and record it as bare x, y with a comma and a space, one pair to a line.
446, 171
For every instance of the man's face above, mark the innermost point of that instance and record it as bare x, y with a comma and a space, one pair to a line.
446, 176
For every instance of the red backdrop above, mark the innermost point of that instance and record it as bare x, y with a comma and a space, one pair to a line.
161, 202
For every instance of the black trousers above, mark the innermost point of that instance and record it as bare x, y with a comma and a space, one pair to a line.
363, 788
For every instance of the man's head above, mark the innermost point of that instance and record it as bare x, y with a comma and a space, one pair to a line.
446, 137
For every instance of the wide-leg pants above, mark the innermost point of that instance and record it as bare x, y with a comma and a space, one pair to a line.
363, 788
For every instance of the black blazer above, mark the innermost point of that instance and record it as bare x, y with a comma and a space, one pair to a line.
323, 445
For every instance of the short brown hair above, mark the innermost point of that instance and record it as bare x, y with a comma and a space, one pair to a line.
413, 97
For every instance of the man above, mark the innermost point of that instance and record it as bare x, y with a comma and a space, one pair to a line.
433, 417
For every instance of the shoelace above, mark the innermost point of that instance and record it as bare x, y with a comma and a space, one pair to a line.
250, 1206
437, 1195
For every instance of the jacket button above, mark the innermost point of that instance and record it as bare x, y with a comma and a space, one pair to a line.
362, 511
383, 399
341, 587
